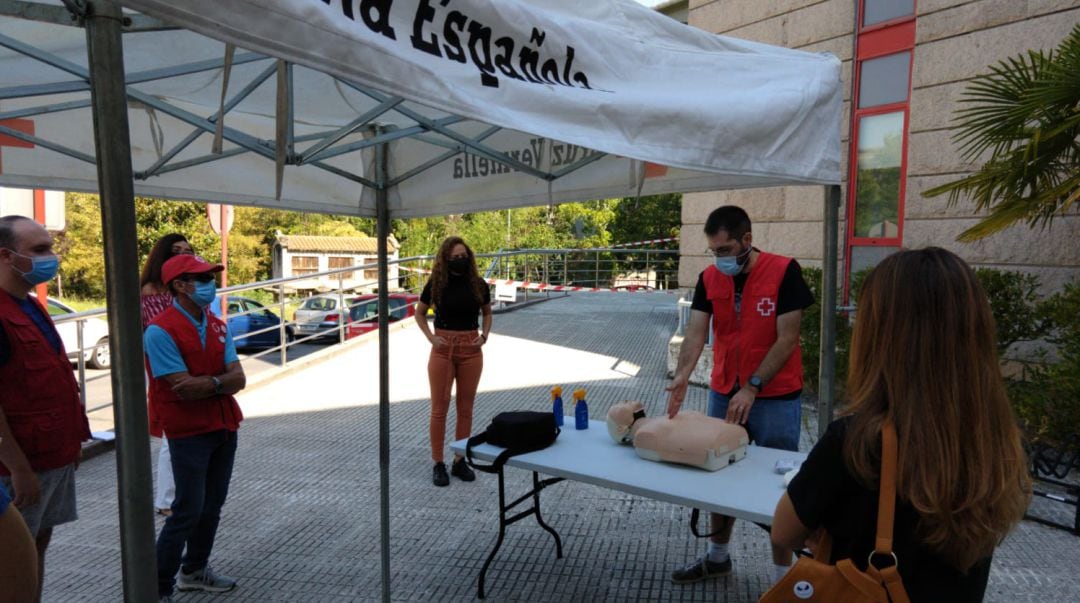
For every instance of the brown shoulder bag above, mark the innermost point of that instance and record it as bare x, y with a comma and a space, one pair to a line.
814, 580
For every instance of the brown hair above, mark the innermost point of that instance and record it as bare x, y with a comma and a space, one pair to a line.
440, 272
161, 252
923, 355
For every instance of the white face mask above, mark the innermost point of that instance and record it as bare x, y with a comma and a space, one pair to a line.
733, 264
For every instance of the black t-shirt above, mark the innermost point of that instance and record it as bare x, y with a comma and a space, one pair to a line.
458, 308
824, 493
794, 294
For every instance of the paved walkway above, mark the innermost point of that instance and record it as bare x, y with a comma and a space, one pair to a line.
302, 519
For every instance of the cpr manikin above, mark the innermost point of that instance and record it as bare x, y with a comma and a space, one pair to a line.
691, 438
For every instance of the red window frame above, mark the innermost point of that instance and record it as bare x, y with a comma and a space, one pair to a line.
880, 39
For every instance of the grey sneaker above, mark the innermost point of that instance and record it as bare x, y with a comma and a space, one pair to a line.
206, 580
701, 569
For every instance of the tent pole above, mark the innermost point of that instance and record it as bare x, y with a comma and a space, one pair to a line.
113, 151
827, 358
383, 229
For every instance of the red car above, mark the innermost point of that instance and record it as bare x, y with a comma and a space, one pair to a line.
364, 314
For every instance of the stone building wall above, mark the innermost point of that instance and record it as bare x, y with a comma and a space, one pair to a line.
955, 40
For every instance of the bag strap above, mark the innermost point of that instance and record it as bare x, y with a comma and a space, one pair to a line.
886, 490
495, 465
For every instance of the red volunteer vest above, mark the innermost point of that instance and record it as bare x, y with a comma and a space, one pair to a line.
742, 339
39, 394
182, 418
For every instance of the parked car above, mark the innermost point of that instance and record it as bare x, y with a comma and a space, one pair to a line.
251, 323
320, 314
364, 314
95, 336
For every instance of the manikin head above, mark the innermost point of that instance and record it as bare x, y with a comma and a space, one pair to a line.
621, 417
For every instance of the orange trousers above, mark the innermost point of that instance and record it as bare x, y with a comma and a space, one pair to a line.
459, 360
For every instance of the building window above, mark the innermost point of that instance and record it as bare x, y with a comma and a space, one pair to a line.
884, 47
341, 262
305, 264
371, 275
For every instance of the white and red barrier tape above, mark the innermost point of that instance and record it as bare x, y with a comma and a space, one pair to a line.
651, 242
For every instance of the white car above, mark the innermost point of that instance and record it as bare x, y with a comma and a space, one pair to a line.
95, 336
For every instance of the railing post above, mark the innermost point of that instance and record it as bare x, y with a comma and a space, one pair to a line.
341, 307
284, 325
82, 359
596, 272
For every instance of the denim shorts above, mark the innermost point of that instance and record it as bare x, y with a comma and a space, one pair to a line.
772, 423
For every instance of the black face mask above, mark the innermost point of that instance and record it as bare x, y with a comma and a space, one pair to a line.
459, 265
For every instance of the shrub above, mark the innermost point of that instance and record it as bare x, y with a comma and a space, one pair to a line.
1016, 306
1046, 395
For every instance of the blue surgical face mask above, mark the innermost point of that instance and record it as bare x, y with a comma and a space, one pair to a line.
204, 293
732, 264
42, 268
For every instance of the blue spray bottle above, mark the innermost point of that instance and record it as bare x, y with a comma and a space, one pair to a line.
556, 405
581, 410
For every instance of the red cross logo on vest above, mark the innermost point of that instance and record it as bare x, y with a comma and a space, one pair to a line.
765, 307
25, 126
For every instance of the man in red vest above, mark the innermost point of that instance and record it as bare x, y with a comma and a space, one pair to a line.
192, 358
755, 300
42, 420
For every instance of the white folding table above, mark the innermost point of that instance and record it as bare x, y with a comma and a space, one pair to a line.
748, 489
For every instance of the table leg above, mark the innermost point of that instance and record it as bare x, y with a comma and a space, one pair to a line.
534, 494
537, 487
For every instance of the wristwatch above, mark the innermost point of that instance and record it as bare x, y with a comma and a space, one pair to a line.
219, 387
756, 382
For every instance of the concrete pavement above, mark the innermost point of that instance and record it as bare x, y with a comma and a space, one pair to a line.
301, 523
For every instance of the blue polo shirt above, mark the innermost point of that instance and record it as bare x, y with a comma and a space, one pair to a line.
164, 356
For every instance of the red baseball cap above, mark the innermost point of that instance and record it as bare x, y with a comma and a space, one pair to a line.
186, 264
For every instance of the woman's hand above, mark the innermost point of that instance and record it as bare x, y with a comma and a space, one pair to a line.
437, 341
479, 340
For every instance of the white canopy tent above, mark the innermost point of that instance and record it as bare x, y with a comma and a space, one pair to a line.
390, 108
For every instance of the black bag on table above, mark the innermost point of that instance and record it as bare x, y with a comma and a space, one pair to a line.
518, 432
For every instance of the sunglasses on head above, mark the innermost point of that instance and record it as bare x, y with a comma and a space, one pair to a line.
205, 277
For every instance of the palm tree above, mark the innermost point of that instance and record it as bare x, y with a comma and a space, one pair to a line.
1026, 111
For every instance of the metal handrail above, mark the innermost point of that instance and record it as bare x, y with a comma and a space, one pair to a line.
515, 262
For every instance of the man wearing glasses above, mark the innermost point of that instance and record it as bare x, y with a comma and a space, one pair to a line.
196, 371
755, 300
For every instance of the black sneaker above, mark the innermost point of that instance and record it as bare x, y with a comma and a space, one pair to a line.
701, 569
461, 470
439, 476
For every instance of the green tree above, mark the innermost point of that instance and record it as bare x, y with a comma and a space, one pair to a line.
1026, 113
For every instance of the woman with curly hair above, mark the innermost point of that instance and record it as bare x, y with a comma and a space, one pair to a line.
459, 296
923, 358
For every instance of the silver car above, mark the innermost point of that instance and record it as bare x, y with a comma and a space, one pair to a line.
320, 314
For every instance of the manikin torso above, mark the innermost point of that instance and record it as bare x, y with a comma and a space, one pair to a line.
691, 438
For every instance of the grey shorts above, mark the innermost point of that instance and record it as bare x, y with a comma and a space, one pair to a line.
57, 504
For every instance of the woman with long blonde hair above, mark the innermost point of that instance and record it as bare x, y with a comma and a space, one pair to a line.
923, 355
459, 297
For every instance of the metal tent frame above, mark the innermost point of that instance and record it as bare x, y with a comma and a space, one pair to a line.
110, 92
